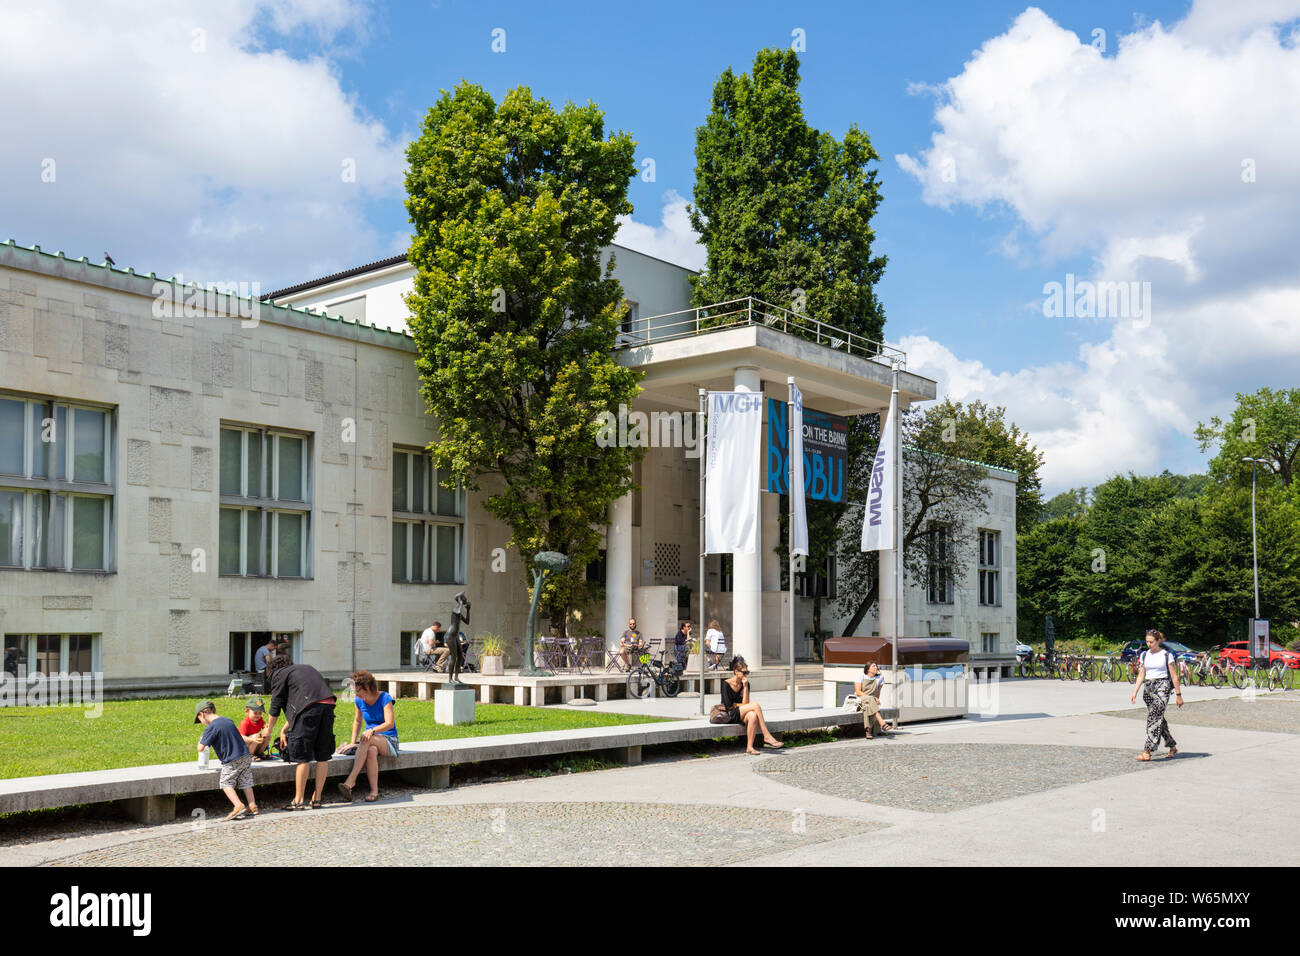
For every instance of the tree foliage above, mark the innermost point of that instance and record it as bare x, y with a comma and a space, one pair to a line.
1265, 424
513, 318
781, 206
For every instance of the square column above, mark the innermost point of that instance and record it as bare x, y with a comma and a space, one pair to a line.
618, 570
746, 637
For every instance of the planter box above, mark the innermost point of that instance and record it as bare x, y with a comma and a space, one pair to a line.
495, 665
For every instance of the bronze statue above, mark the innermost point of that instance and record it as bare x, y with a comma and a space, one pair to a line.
455, 657
547, 562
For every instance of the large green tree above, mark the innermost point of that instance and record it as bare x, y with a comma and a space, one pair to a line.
514, 318
1265, 424
980, 432
783, 209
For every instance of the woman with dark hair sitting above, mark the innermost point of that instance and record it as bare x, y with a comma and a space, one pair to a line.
868, 693
735, 698
379, 739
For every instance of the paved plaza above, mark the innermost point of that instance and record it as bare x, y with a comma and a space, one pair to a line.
1050, 779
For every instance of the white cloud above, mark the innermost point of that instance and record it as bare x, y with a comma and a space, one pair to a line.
1141, 158
673, 239
184, 140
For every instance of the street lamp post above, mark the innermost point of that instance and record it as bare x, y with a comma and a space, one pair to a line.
1254, 539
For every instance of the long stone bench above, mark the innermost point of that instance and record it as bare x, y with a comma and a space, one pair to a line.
149, 793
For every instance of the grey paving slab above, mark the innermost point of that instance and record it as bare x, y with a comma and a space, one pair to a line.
1273, 713
943, 777
531, 834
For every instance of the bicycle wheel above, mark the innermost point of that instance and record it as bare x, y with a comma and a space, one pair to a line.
1237, 676
671, 684
1288, 678
1086, 670
639, 683
1214, 676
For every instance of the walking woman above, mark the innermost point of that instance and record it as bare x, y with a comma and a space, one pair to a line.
1157, 675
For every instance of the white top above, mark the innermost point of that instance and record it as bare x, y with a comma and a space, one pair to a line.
1156, 664
715, 641
426, 640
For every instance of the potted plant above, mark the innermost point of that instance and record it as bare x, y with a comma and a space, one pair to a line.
492, 658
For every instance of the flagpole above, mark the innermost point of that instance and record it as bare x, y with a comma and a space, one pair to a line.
898, 538
790, 452
701, 432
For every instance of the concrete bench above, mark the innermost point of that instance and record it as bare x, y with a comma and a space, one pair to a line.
149, 793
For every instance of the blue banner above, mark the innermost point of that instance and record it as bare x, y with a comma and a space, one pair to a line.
825, 451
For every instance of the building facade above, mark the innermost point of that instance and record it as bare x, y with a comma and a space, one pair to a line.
183, 476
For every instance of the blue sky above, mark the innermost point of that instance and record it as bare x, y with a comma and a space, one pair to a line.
207, 140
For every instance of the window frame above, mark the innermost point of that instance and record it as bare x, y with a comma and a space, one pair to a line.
939, 573
988, 575
267, 504
423, 568
62, 484
29, 645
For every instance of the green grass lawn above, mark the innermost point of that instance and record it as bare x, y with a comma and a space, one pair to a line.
131, 733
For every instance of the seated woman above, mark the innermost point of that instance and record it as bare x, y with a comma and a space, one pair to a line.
379, 739
735, 697
868, 691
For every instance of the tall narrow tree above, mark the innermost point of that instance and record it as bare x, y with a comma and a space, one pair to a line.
514, 317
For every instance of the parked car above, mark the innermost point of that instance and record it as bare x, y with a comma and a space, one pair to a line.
1180, 651
1239, 653
1023, 650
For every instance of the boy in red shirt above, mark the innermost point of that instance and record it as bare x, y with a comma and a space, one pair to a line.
252, 728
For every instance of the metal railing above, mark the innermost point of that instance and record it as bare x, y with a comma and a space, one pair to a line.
739, 313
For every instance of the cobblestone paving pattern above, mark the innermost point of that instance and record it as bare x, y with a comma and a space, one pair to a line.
529, 834
1277, 713
942, 778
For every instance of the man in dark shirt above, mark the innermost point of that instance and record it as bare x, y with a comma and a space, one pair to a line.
308, 704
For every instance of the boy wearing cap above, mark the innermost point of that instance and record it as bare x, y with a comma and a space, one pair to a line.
252, 726
221, 734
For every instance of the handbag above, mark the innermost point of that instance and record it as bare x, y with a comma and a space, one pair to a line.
720, 715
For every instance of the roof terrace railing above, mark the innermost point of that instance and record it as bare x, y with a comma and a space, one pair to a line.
738, 313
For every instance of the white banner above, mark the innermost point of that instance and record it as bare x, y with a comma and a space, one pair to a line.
878, 515
735, 442
799, 535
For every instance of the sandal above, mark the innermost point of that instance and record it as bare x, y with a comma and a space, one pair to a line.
1172, 751
371, 797
346, 791
295, 806
252, 808
236, 813
775, 745
315, 804
1144, 756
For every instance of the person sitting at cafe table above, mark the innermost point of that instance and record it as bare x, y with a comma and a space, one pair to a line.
630, 643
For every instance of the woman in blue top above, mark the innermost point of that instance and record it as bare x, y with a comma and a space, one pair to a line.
379, 739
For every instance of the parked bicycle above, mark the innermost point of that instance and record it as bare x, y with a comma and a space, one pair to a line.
648, 672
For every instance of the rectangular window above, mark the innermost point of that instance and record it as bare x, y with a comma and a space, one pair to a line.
50, 654
266, 492
58, 514
406, 646
939, 550
990, 584
988, 643
725, 573
428, 522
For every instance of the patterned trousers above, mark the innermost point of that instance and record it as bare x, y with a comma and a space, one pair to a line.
1156, 694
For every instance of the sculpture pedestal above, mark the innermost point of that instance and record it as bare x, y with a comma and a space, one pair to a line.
454, 705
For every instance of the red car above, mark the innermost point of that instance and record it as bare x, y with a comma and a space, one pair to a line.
1239, 653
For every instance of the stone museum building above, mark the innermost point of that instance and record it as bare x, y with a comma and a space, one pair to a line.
185, 475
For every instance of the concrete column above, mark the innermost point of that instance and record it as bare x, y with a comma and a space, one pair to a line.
150, 810
485, 693
521, 695
430, 778
618, 570
746, 637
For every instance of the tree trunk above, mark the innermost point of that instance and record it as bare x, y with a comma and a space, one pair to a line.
861, 612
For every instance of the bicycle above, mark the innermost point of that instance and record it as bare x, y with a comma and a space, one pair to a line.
648, 671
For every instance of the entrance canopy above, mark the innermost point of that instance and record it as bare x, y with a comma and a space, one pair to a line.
839, 372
